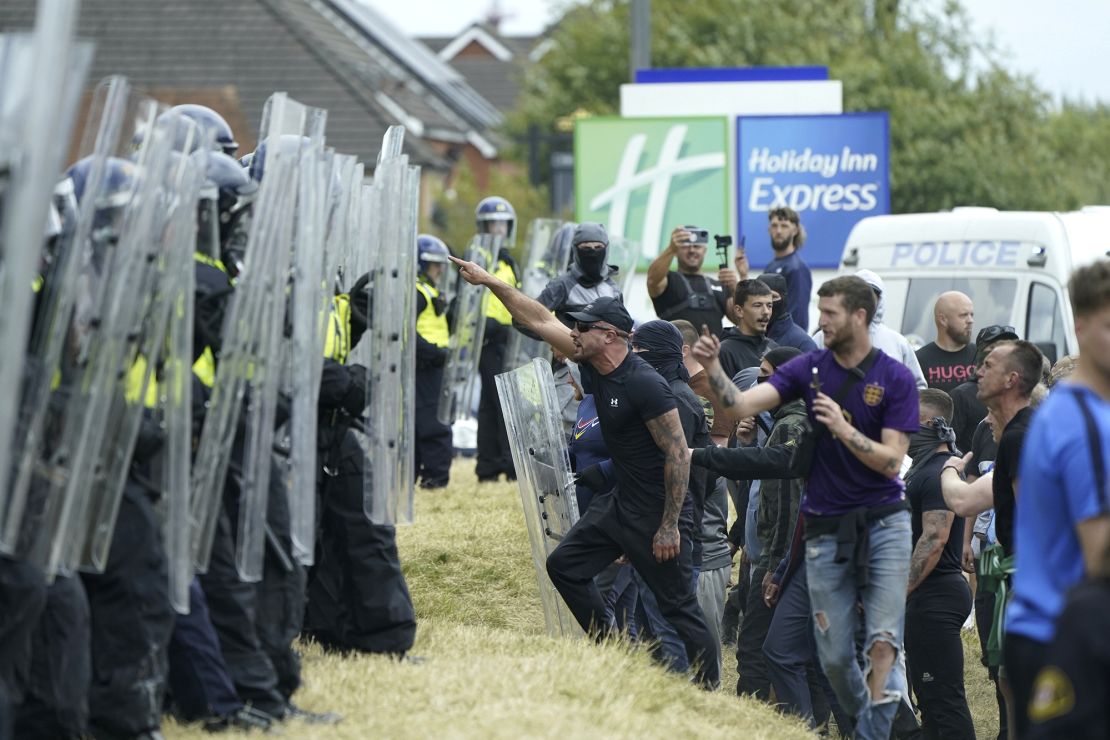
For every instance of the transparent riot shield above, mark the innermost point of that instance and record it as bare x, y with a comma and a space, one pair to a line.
158, 244
538, 272
623, 253
174, 393
41, 78
248, 366
305, 356
546, 485
460, 377
388, 469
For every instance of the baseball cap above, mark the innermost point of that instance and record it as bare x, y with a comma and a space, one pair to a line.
994, 333
607, 309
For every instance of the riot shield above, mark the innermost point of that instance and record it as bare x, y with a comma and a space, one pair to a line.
294, 132
41, 77
624, 253
388, 470
308, 314
539, 270
175, 384
249, 363
460, 377
546, 485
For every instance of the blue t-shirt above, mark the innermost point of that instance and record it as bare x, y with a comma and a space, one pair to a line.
799, 285
886, 398
1057, 491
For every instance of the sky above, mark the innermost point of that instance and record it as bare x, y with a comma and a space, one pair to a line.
1062, 44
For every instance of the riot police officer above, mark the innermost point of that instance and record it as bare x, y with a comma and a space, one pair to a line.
433, 437
496, 216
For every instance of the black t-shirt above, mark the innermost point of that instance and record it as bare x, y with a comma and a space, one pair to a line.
705, 306
626, 399
967, 412
946, 370
924, 494
1005, 471
983, 450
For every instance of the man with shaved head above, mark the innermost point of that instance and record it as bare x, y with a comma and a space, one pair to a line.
950, 360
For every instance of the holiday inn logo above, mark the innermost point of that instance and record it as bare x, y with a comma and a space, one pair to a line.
641, 177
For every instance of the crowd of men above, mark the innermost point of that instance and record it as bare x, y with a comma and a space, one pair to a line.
868, 537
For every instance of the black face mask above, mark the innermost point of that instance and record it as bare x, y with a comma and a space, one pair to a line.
591, 261
778, 308
930, 436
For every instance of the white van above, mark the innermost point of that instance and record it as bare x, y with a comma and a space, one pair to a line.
1014, 265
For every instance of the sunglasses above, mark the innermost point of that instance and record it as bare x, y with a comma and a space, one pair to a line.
992, 333
582, 327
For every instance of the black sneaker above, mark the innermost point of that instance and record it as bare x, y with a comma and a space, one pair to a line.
246, 719
292, 711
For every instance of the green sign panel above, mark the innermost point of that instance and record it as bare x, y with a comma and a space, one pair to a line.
641, 177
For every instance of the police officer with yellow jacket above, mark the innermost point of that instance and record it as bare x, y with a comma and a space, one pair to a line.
433, 437
496, 216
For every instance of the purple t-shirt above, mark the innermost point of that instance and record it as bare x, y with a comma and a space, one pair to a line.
886, 398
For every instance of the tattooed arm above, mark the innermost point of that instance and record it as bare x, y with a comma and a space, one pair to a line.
666, 430
935, 527
726, 396
881, 456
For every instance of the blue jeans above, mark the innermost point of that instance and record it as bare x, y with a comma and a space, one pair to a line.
833, 597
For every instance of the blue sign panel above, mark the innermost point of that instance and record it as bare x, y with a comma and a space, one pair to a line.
730, 74
833, 170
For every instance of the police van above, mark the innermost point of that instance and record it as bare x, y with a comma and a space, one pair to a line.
1014, 265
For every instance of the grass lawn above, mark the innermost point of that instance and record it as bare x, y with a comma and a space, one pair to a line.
491, 671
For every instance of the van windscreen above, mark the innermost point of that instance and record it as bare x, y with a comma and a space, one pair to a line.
993, 299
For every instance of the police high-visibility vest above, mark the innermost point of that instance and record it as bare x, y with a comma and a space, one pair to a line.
430, 325
205, 368
133, 384
337, 344
495, 309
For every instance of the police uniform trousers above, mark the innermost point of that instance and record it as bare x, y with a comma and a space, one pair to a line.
23, 596
131, 619
257, 622
357, 595
494, 454
433, 438
199, 681
605, 532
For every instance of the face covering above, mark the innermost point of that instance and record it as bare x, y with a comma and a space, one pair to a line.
660, 343
928, 437
778, 308
591, 262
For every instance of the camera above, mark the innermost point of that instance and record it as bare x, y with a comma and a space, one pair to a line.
698, 236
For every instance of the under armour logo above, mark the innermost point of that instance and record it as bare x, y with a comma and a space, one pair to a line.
926, 676
613, 402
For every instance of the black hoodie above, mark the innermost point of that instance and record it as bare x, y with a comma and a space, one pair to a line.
739, 351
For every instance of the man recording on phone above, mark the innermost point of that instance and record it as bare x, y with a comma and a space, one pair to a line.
687, 294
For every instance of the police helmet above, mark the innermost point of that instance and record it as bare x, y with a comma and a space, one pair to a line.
225, 208
286, 143
212, 121
493, 209
430, 250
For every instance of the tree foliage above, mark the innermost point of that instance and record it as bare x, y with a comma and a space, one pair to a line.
964, 129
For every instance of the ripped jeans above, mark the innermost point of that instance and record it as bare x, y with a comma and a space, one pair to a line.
833, 597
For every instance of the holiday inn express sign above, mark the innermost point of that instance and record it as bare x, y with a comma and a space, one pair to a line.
643, 176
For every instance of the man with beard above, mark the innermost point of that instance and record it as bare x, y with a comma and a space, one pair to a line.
863, 405
745, 344
950, 360
640, 425
787, 237
939, 598
686, 293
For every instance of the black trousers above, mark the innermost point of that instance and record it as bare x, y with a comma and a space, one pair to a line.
600, 537
494, 455
433, 449
984, 616
56, 697
935, 614
23, 596
357, 595
131, 618
1022, 659
753, 679
199, 681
